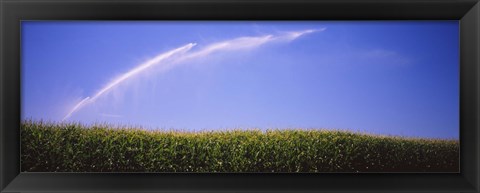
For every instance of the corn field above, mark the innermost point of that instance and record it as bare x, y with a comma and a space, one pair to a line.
73, 147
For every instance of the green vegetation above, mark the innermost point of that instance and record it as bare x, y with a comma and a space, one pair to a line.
50, 147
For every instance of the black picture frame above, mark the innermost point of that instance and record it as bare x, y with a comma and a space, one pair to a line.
14, 11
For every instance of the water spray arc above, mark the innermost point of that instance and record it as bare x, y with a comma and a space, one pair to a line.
183, 53
152, 62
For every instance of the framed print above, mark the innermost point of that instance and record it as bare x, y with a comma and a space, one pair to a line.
247, 96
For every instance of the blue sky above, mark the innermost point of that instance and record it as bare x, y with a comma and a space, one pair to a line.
382, 77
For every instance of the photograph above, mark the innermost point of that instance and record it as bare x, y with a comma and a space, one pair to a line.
240, 96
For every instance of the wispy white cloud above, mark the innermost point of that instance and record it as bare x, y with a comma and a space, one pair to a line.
379, 53
384, 56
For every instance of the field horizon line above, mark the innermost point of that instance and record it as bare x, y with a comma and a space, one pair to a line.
137, 127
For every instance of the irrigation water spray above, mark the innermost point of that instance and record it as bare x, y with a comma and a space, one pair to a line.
152, 62
183, 53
